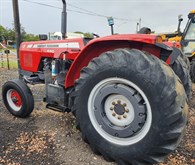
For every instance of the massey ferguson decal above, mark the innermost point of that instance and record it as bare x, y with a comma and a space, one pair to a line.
58, 45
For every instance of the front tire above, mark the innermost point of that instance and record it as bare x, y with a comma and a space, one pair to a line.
130, 107
18, 98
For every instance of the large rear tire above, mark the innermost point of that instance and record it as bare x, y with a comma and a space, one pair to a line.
186, 60
130, 107
181, 69
18, 98
192, 70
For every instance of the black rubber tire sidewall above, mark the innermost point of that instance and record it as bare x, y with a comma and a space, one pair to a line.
192, 70
181, 69
25, 94
157, 84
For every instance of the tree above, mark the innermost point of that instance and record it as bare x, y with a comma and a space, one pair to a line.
3, 33
9, 34
87, 34
30, 37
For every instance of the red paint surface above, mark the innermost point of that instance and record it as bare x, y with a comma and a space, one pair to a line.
98, 46
172, 44
30, 57
16, 98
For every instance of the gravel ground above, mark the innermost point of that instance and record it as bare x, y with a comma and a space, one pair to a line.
49, 137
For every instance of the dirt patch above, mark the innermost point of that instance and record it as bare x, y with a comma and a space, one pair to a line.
49, 137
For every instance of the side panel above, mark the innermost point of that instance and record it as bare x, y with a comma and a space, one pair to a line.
29, 60
31, 53
96, 49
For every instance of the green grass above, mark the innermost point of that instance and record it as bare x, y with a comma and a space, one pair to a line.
12, 65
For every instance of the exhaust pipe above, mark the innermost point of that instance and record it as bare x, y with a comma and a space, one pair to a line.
64, 20
180, 19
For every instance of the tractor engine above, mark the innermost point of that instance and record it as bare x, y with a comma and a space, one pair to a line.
48, 62
55, 71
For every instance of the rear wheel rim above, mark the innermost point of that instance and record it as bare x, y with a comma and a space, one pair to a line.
119, 111
14, 100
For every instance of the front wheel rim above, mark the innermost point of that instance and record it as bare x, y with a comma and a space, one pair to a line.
14, 100
119, 111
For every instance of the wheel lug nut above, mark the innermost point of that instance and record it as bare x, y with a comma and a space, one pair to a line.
127, 110
119, 117
124, 104
124, 116
118, 101
111, 108
113, 114
113, 103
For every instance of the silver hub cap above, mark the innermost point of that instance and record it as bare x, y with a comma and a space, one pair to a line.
119, 111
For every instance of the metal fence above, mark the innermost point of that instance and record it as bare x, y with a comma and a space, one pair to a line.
5, 54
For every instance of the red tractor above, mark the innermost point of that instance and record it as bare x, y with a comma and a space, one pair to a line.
129, 93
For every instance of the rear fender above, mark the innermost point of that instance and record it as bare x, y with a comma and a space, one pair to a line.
95, 49
175, 53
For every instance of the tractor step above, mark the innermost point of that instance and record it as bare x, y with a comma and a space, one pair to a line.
33, 80
58, 108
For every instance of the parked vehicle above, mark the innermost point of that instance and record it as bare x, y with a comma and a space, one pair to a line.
129, 104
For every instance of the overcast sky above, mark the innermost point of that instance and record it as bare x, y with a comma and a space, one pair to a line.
159, 15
